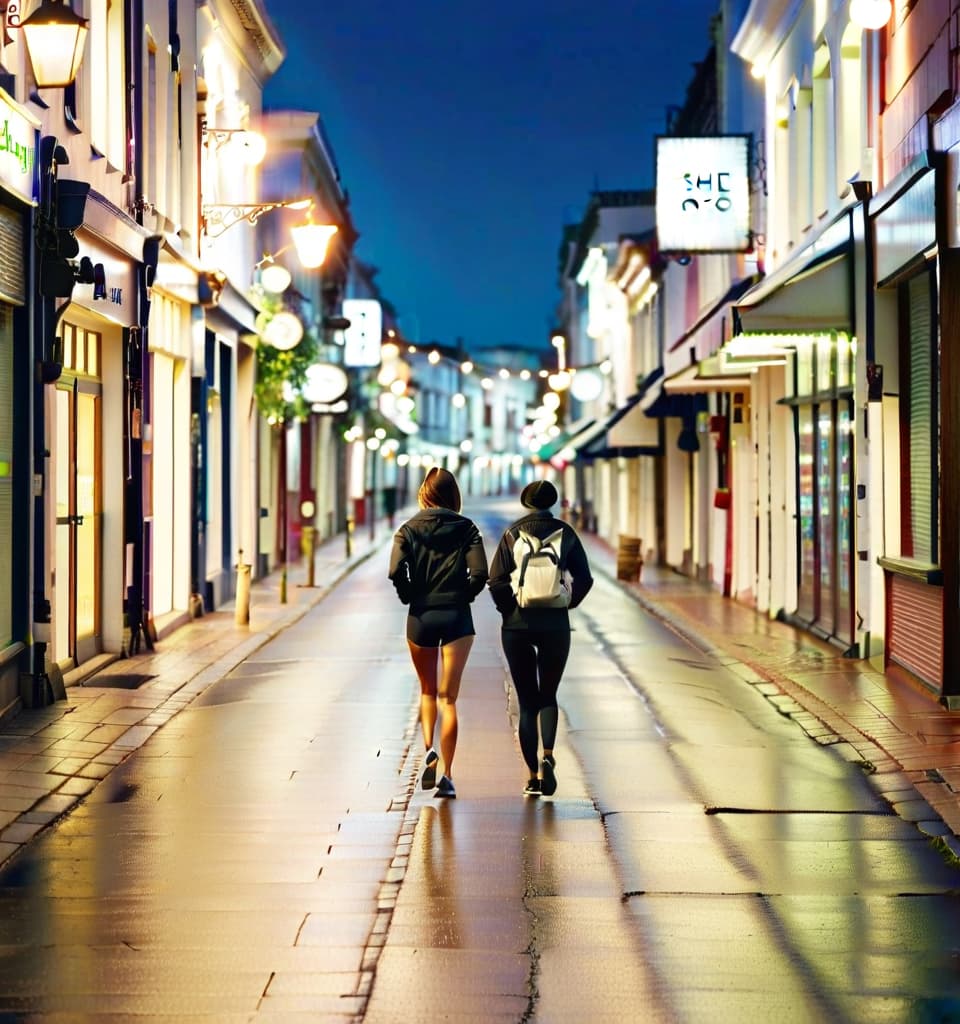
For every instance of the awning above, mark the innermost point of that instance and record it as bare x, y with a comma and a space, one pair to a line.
658, 403
628, 427
579, 441
562, 439
625, 433
716, 325
817, 298
698, 380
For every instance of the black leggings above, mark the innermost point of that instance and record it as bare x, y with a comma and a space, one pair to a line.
536, 659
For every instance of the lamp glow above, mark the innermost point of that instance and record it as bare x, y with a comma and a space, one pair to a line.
870, 14
275, 278
54, 37
312, 241
284, 331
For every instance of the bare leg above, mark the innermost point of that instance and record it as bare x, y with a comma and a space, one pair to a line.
425, 664
453, 658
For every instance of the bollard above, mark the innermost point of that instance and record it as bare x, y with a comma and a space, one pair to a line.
242, 607
349, 536
308, 544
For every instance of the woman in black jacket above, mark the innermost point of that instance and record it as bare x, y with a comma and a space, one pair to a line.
438, 567
536, 640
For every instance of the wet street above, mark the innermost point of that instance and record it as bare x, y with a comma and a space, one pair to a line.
266, 855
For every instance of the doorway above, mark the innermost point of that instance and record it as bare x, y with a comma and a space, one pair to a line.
78, 537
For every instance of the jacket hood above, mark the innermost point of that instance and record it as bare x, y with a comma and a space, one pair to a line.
441, 529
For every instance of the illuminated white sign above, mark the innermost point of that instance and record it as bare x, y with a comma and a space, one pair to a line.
18, 134
703, 194
325, 383
361, 340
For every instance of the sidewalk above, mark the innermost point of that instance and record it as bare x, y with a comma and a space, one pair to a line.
886, 720
51, 758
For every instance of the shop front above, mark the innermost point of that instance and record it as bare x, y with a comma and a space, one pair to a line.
231, 509
17, 376
905, 371
796, 338
90, 420
176, 322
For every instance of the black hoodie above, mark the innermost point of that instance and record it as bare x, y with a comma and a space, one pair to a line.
437, 560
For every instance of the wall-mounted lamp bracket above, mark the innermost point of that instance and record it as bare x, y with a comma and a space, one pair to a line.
219, 217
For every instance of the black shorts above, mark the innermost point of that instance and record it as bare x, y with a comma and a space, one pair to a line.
434, 627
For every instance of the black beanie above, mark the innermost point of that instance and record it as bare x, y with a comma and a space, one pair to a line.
541, 494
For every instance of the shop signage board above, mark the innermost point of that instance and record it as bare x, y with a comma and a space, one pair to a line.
361, 340
703, 193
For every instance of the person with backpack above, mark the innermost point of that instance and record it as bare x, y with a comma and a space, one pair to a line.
438, 566
539, 572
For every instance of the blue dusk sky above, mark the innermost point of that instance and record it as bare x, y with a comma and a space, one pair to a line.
468, 134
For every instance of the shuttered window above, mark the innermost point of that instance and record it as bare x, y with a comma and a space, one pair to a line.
919, 425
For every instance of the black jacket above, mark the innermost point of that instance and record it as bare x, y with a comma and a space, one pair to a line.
573, 561
437, 560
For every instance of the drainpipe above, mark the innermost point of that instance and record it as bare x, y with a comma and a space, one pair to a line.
136, 369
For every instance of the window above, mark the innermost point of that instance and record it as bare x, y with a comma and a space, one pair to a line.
849, 132
107, 81
780, 204
823, 406
822, 122
802, 176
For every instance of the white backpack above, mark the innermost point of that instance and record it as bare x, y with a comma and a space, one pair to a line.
538, 581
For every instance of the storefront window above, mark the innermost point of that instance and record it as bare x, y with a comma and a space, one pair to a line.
808, 547
826, 495
825, 484
844, 513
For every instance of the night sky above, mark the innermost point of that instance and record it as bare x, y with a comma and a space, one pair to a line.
468, 134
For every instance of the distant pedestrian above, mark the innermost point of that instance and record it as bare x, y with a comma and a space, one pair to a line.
536, 639
438, 567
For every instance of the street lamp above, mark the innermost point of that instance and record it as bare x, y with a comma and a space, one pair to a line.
311, 242
54, 36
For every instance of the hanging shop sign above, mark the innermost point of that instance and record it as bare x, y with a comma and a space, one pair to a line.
703, 193
326, 383
361, 340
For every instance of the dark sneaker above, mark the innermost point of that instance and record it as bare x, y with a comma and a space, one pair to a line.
532, 788
445, 788
548, 777
429, 777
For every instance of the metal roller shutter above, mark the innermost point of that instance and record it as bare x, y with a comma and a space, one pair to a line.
923, 427
13, 288
915, 628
